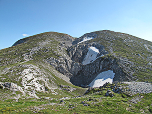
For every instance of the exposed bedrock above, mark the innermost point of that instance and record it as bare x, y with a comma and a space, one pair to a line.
89, 72
77, 53
83, 75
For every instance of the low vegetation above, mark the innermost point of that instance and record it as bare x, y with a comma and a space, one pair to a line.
95, 101
71, 99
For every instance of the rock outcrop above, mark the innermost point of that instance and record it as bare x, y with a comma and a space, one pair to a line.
81, 74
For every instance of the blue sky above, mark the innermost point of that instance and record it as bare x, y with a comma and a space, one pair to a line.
22, 18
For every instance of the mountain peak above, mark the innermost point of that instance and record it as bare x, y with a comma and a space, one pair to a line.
80, 61
53, 72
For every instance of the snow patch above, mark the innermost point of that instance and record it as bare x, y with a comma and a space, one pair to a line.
91, 55
86, 39
102, 78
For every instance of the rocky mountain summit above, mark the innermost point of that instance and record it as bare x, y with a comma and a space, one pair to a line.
40, 63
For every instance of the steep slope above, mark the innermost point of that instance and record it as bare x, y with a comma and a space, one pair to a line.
38, 65
24, 71
128, 56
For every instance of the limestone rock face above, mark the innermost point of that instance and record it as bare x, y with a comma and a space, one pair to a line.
80, 74
79, 51
90, 71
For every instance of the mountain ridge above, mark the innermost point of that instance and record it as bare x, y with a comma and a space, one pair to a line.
127, 56
100, 72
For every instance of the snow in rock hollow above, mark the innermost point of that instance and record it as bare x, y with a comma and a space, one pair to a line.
102, 78
86, 39
91, 55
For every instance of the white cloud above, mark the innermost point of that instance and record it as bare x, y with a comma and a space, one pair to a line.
25, 34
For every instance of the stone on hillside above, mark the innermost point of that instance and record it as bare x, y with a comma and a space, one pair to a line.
109, 93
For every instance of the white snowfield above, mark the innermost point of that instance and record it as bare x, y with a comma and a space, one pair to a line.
86, 39
102, 78
91, 55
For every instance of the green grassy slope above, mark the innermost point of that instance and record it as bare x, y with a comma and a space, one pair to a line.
91, 103
137, 51
36, 48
